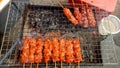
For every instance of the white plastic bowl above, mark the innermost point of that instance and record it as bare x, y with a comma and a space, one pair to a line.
3, 4
109, 25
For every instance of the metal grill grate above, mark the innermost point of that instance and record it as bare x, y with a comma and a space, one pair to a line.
40, 21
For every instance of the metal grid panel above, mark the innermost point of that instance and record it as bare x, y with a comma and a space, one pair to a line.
90, 43
12, 31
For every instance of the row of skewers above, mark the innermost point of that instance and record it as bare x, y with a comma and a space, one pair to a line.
58, 50
83, 17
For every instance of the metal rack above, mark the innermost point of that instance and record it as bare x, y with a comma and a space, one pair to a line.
38, 21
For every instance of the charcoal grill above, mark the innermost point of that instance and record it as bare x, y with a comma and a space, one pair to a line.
39, 21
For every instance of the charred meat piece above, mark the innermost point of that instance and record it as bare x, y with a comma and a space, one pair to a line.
77, 51
69, 51
24, 56
47, 50
38, 52
55, 49
78, 15
91, 18
62, 49
70, 16
84, 17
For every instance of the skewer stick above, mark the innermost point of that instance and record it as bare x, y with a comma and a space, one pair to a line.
30, 65
46, 65
24, 65
73, 3
78, 65
70, 65
37, 65
55, 64
60, 4
61, 65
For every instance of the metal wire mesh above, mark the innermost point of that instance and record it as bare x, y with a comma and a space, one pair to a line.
40, 21
12, 31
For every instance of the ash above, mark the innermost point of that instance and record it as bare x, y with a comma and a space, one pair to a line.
44, 19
